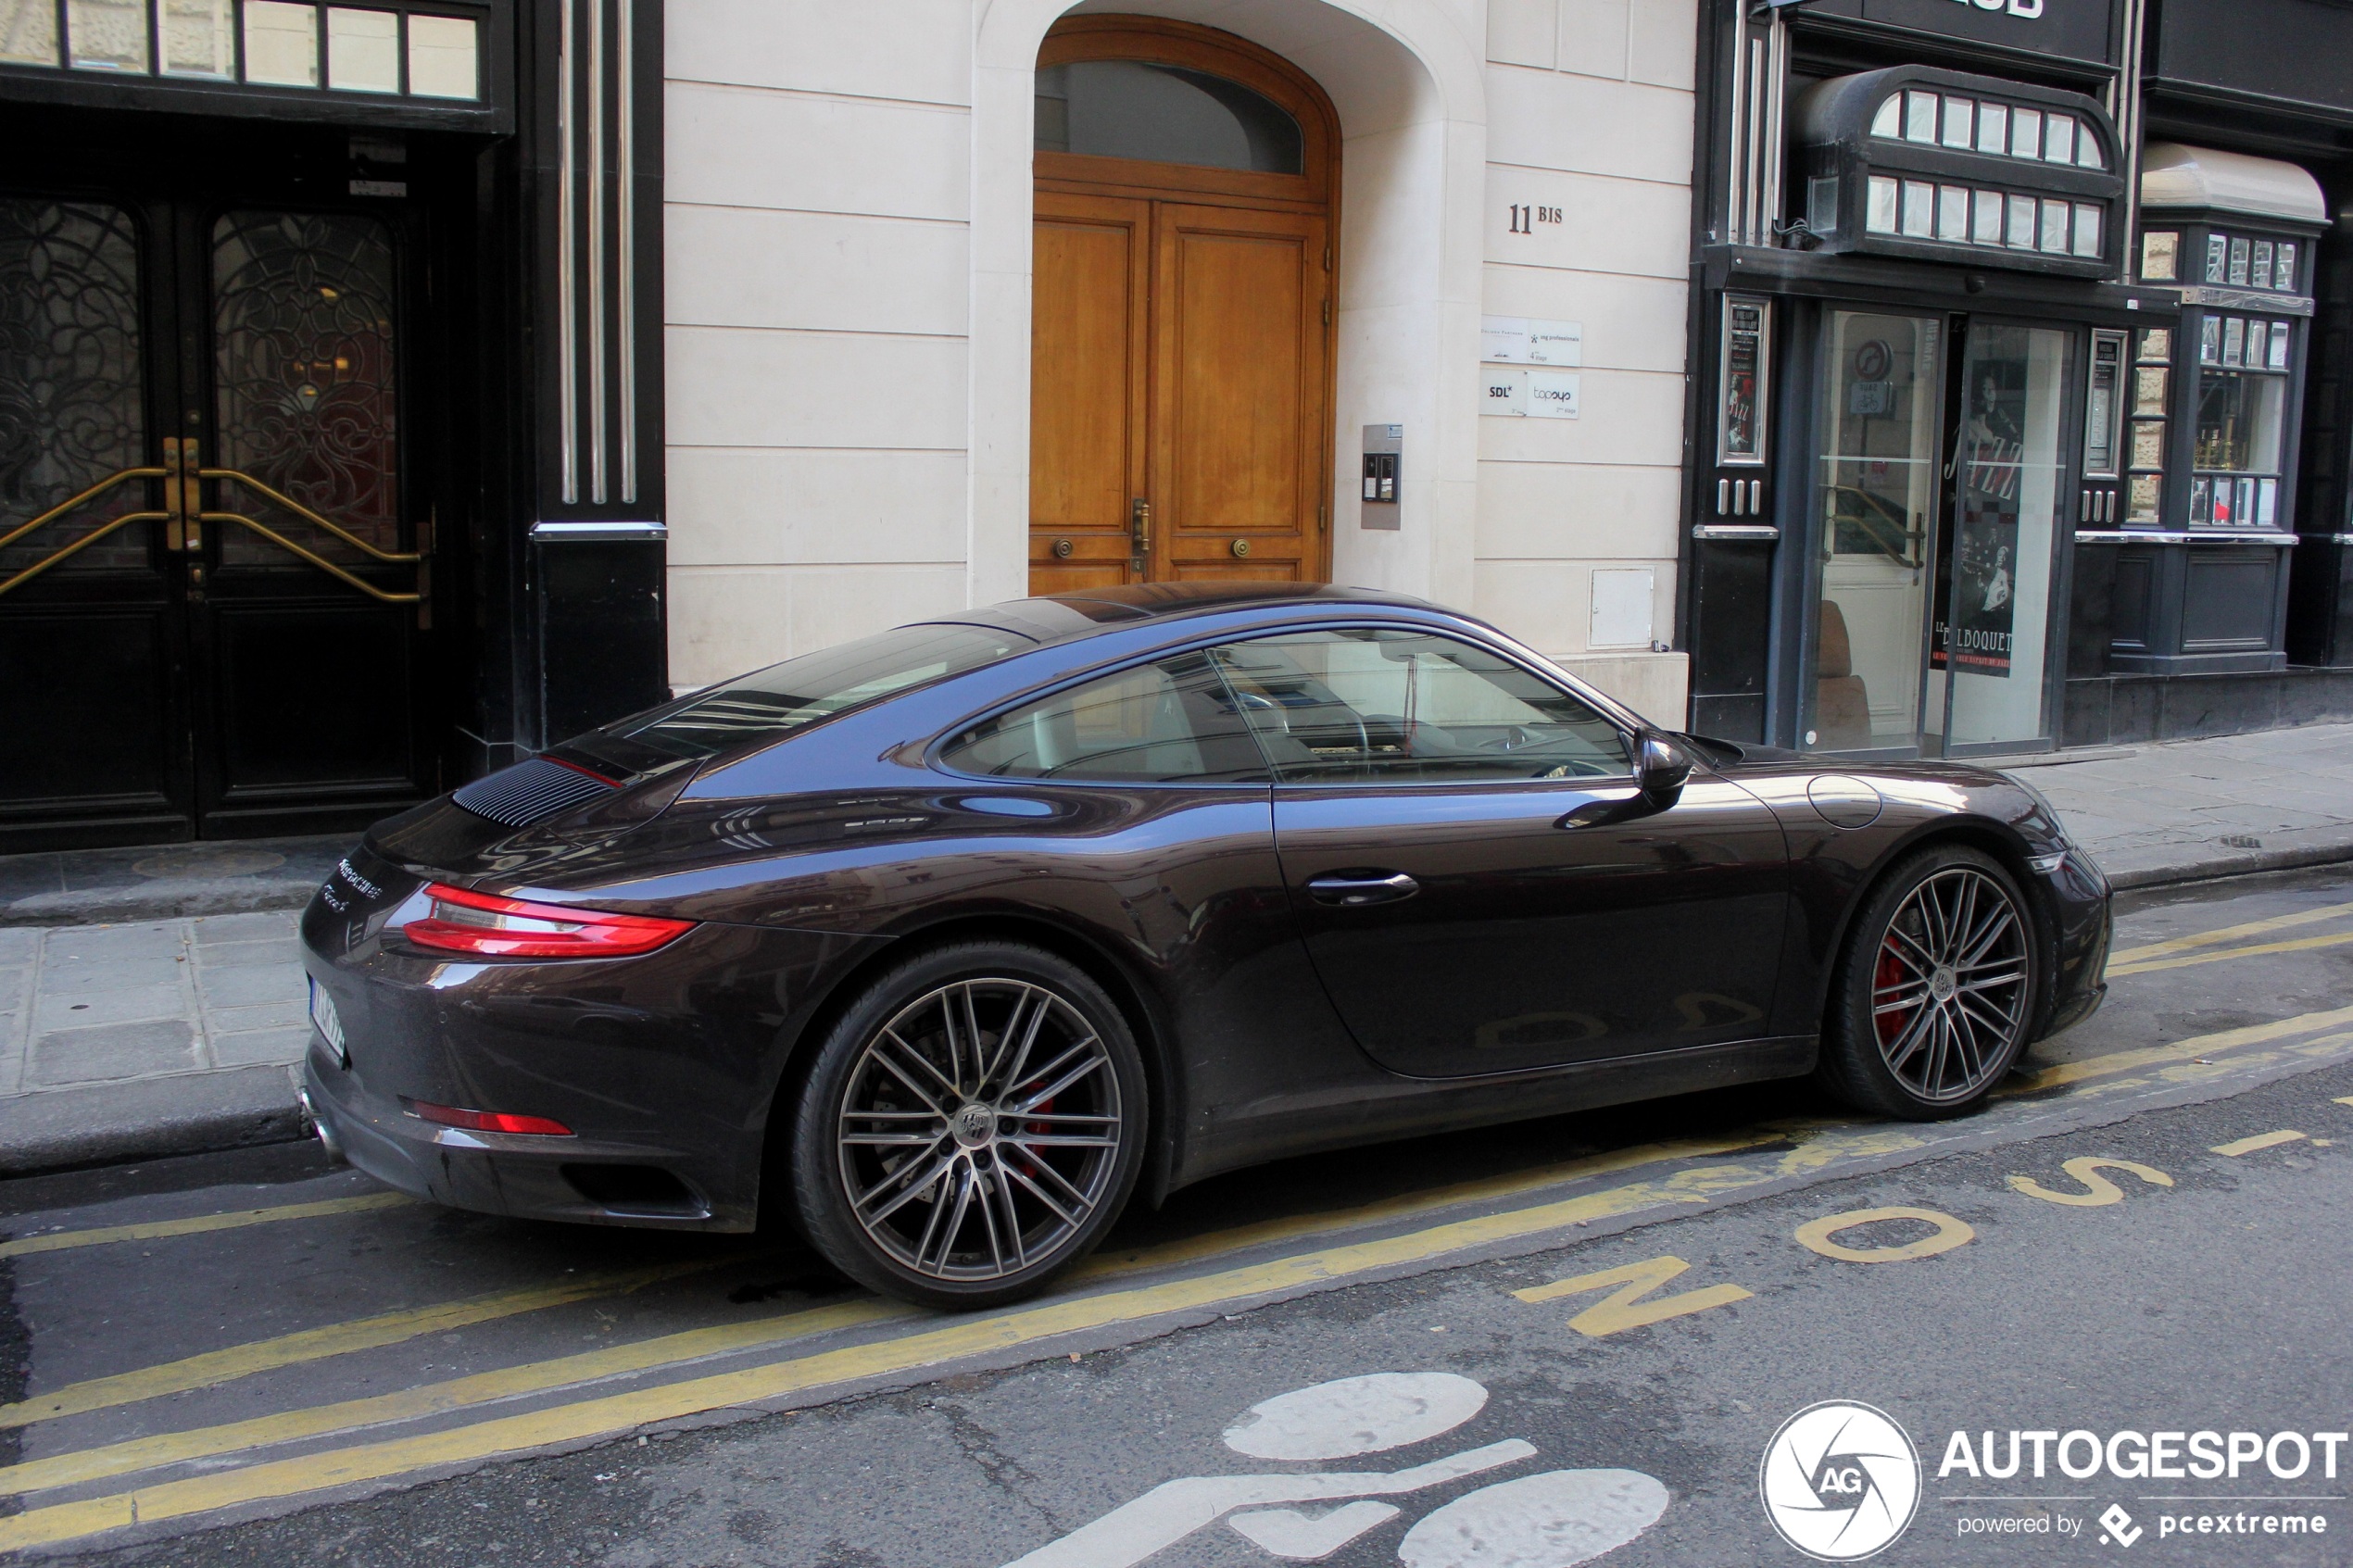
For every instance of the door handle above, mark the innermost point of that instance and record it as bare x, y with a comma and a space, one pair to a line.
1362, 887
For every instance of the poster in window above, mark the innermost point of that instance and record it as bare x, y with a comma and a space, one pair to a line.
1740, 437
1981, 616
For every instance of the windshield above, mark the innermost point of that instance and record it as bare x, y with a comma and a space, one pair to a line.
771, 704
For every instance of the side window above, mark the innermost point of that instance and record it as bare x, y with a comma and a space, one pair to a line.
1366, 704
1170, 722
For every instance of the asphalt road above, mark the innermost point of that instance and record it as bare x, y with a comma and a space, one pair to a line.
1569, 1341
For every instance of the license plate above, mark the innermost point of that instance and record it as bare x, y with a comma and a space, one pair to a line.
323, 1014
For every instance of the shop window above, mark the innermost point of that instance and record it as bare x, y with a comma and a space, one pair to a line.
364, 50
2004, 130
2152, 382
1992, 128
198, 38
2087, 228
282, 43
1163, 114
107, 34
1960, 122
2244, 262
2241, 421
2058, 139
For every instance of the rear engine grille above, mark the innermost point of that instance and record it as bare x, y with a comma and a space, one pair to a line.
531, 792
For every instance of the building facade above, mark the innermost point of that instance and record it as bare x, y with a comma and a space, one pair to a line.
389, 389
2013, 427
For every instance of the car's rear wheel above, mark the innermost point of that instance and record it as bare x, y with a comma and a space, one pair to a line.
970, 1127
1936, 990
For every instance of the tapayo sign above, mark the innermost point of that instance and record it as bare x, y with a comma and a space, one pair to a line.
1841, 1481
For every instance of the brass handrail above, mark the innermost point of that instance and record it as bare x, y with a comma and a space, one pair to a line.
176, 468
45, 562
66, 505
301, 511
322, 562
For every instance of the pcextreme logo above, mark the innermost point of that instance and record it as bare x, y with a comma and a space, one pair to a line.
1841, 1481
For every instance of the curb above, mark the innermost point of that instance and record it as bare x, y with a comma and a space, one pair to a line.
148, 1119
2231, 863
166, 902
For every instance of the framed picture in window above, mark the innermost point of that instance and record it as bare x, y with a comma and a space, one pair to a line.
1746, 359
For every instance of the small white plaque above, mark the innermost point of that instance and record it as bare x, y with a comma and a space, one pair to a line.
1524, 340
1504, 393
1552, 395
1502, 340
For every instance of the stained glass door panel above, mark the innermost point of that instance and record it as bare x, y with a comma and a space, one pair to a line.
307, 610
91, 719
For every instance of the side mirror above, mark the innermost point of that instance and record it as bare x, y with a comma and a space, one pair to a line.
1660, 766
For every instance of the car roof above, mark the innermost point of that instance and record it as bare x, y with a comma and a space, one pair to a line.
1055, 617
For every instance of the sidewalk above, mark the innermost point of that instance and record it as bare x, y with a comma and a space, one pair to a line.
2187, 810
152, 1036
126, 1042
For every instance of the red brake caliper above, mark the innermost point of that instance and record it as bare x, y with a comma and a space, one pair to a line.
1886, 975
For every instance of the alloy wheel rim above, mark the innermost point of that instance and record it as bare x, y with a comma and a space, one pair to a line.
979, 1130
1949, 986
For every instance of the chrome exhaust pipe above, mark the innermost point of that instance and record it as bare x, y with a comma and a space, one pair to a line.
322, 1128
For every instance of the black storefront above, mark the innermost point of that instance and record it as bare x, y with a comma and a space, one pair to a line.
330, 402
2020, 409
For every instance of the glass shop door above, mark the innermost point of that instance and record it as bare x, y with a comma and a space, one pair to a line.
1877, 429
1932, 628
1992, 651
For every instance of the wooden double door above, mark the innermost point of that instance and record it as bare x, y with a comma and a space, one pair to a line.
1181, 411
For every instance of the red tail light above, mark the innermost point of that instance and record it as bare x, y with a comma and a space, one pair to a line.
485, 1120
483, 925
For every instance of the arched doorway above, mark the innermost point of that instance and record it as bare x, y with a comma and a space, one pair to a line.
1181, 364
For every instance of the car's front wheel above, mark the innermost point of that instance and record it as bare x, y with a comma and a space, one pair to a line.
1934, 992
969, 1126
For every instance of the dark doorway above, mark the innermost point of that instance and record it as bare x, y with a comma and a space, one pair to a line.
217, 482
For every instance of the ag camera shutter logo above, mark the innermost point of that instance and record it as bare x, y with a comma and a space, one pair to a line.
1841, 1481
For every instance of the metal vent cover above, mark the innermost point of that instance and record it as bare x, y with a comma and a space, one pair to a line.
531, 791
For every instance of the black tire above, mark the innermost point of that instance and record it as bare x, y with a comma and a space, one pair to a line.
1935, 991
982, 1201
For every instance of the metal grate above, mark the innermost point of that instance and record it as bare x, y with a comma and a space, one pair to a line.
531, 792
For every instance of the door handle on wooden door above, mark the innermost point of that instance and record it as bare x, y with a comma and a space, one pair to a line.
1140, 529
1350, 889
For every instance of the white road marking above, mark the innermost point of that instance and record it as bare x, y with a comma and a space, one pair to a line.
1293, 1537
1356, 1415
1170, 1512
1555, 1520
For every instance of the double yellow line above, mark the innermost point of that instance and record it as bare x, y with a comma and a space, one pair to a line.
2181, 952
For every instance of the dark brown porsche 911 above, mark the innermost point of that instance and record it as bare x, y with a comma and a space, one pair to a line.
944, 942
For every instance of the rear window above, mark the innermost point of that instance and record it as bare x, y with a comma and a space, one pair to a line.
771, 704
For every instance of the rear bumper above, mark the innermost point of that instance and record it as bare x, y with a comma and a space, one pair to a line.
526, 1177
664, 1066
